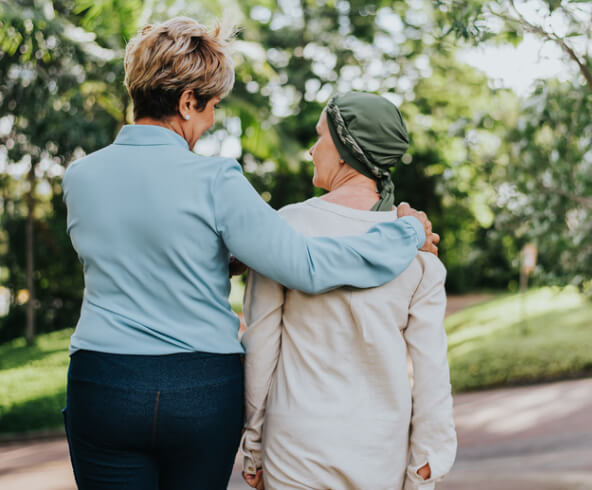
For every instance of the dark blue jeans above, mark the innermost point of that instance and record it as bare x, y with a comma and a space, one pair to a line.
153, 422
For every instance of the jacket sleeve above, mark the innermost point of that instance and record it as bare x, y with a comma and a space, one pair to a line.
255, 234
262, 309
433, 436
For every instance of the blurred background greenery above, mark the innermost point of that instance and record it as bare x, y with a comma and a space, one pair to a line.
493, 168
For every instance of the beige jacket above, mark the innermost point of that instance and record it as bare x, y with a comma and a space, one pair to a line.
328, 399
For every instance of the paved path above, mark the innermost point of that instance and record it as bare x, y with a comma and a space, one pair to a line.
45, 465
531, 438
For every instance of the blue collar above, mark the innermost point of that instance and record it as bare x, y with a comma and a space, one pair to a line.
147, 135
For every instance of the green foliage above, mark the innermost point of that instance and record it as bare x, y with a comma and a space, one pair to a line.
62, 95
454, 121
33, 383
507, 20
542, 169
55, 106
443, 102
58, 282
542, 336
545, 184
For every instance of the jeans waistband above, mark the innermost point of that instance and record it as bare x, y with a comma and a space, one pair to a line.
167, 372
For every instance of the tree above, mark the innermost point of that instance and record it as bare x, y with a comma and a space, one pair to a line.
62, 95
565, 23
48, 114
545, 183
389, 48
543, 172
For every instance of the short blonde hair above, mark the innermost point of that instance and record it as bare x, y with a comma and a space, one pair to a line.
164, 60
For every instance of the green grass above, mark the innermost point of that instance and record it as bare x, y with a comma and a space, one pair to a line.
542, 336
33, 382
489, 346
33, 379
237, 290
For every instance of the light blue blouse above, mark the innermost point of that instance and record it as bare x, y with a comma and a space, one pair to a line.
153, 225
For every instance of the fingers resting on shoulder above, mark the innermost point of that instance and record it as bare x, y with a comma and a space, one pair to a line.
432, 239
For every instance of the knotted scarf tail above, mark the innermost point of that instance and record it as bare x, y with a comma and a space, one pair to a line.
386, 188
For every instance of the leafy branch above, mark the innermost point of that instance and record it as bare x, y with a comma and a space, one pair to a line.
549, 36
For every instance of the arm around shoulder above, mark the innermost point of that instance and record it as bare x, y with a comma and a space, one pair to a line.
260, 238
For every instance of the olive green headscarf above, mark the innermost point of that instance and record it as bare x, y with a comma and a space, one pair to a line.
370, 135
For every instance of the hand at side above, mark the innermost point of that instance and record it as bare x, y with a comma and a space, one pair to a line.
425, 471
255, 481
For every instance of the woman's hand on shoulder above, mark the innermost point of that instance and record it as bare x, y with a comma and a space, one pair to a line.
255, 481
432, 239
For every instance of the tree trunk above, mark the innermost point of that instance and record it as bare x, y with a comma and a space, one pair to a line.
30, 327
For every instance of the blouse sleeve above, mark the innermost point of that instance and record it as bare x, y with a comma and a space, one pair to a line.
255, 234
433, 437
262, 309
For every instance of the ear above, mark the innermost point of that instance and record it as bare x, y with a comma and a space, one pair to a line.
186, 102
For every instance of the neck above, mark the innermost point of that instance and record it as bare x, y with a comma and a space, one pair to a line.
171, 124
353, 190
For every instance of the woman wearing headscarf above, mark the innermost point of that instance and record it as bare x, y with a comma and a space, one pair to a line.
328, 400
155, 385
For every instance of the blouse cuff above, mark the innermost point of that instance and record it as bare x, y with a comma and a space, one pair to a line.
418, 227
251, 456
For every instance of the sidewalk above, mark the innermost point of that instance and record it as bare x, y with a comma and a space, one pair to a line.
536, 437
45, 465
531, 438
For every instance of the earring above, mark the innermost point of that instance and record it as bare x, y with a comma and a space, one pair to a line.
186, 117
342, 161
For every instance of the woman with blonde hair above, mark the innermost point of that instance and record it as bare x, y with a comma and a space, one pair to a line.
328, 400
155, 384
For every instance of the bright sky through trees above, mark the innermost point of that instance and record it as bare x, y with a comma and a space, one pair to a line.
518, 67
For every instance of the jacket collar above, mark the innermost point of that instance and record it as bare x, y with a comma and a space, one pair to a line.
146, 135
